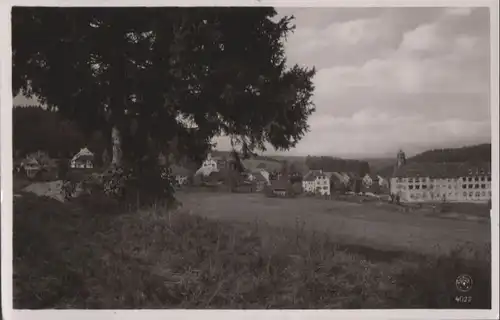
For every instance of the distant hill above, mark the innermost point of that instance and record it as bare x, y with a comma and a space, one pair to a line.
475, 153
377, 164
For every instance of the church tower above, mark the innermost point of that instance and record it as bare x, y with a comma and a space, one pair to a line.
401, 159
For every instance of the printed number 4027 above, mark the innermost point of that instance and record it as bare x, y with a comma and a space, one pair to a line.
463, 299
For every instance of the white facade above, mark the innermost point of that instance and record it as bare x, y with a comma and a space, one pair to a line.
308, 186
472, 188
210, 163
82, 160
367, 180
265, 174
181, 179
319, 184
31, 167
322, 185
78, 164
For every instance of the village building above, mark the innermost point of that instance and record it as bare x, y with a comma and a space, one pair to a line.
443, 182
180, 174
31, 167
316, 182
258, 179
215, 163
370, 183
280, 187
84, 159
383, 182
338, 182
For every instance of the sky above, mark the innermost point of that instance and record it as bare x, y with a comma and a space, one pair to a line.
392, 78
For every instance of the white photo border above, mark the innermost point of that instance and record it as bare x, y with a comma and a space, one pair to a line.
6, 173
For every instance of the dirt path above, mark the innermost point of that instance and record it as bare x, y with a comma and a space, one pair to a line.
363, 224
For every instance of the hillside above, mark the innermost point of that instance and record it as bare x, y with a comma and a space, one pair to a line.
475, 153
377, 164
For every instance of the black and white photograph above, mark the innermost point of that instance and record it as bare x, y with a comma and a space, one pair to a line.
252, 157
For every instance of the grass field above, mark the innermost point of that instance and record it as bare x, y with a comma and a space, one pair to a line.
371, 224
69, 257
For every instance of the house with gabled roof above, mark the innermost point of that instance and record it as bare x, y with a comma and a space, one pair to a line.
180, 174
258, 179
84, 159
280, 187
370, 184
31, 167
316, 181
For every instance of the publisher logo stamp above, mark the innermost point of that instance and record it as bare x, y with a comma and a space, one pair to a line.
463, 283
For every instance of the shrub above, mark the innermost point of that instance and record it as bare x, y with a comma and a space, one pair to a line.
140, 186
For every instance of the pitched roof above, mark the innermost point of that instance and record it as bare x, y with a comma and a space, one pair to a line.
313, 174
83, 154
443, 170
337, 176
279, 184
258, 176
31, 162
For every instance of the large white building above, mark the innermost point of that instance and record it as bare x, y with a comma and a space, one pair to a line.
316, 182
452, 182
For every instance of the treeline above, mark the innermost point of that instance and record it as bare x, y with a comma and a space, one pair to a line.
331, 164
37, 129
476, 153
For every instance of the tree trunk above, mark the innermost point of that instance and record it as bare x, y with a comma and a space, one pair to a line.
117, 147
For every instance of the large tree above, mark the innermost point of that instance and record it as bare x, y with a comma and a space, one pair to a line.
148, 76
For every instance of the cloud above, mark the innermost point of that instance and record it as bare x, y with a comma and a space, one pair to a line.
400, 77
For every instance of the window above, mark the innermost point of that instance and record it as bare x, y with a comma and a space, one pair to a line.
483, 179
417, 180
470, 179
489, 193
424, 186
410, 187
489, 179
465, 194
483, 186
471, 186
464, 186
471, 194
478, 194
417, 187
483, 193
476, 179
476, 186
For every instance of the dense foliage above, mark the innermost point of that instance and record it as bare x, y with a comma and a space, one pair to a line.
37, 129
162, 73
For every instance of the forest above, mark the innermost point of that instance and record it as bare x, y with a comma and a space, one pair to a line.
331, 164
475, 153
